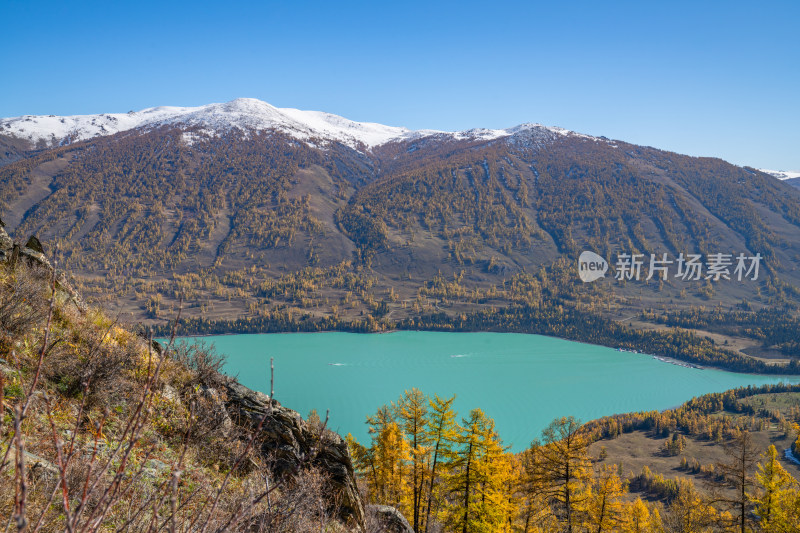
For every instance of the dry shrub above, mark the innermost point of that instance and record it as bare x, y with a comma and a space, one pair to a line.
23, 301
217, 439
87, 363
305, 504
202, 361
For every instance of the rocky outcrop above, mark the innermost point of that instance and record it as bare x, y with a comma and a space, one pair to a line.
33, 253
34, 244
294, 444
388, 520
6, 243
13, 251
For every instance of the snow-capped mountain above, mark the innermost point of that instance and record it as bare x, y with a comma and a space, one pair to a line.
781, 174
244, 114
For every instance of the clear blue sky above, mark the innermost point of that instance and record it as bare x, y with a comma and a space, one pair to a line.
703, 78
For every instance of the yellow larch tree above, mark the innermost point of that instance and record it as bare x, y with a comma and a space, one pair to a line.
535, 512
480, 479
390, 454
605, 510
442, 432
412, 414
560, 468
689, 512
777, 498
639, 519
495, 470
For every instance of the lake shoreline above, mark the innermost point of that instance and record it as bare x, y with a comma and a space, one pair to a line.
670, 360
664, 359
550, 319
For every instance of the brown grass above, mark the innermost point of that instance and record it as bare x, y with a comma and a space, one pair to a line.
99, 431
639, 449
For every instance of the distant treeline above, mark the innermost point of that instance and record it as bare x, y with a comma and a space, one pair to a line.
553, 320
694, 417
773, 327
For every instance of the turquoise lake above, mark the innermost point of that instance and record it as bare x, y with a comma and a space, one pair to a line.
522, 381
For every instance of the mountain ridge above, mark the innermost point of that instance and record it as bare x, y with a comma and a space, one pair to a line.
47, 131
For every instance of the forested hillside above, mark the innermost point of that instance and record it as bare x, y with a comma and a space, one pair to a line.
263, 227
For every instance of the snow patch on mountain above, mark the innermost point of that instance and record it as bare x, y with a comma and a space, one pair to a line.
781, 174
245, 114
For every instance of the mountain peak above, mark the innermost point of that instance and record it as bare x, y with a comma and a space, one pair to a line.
248, 102
245, 114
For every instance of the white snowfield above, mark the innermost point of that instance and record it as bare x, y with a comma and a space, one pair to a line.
246, 114
781, 174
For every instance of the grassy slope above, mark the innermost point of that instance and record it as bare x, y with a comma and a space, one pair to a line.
638, 449
98, 429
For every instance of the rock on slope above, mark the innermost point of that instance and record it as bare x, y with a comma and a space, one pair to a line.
289, 440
